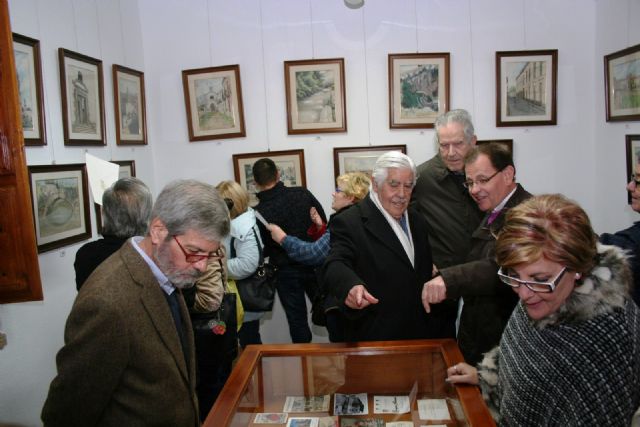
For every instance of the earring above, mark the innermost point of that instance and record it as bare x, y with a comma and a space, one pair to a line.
578, 276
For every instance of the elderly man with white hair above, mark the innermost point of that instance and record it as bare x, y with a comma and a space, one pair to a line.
380, 257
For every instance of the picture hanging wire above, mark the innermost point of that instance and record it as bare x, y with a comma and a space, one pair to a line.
415, 15
313, 47
366, 77
124, 49
264, 82
473, 90
209, 29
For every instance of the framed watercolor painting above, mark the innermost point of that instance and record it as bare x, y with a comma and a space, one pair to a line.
290, 164
60, 199
360, 159
507, 142
315, 96
82, 88
526, 87
622, 84
633, 158
127, 169
29, 72
129, 103
418, 89
213, 98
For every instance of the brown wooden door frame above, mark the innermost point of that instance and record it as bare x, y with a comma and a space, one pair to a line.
19, 270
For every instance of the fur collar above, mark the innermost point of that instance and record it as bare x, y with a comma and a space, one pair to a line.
605, 289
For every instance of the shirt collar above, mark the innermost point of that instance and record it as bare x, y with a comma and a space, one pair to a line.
163, 281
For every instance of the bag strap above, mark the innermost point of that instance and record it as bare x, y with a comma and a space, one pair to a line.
260, 254
232, 249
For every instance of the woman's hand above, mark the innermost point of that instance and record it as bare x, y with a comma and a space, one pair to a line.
277, 234
315, 217
462, 373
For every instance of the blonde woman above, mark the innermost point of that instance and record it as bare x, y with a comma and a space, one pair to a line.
243, 254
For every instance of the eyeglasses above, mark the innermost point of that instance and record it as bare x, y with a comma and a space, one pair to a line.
193, 258
480, 181
544, 287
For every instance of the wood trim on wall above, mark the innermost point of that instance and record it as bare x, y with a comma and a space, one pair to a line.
19, 270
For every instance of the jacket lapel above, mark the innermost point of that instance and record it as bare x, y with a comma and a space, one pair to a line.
376, 224
156, 306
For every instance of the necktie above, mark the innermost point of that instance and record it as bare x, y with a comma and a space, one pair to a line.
174, 306
493, 216
403, 224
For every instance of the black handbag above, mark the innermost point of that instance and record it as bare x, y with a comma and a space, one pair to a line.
257, 291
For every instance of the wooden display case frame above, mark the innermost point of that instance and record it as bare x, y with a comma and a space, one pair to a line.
244, 393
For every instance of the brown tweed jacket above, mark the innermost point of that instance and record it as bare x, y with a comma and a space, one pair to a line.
122, 363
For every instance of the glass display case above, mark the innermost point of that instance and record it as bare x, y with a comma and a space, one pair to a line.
348, 384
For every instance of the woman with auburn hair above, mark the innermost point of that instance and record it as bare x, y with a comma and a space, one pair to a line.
351, 188
570, 354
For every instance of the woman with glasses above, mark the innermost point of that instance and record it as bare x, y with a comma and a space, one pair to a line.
570, 354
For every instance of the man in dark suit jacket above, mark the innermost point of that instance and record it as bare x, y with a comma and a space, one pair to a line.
128, 358
487, 302
380, 258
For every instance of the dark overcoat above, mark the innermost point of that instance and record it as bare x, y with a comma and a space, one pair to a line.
365, 250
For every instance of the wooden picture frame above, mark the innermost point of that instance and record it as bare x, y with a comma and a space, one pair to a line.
60, 201
129, 103
29, 72
360, 159
127, 169
290, 163
315, 92
526, 87
418, 89
213, 99
622, 84
507, 142
82, 94
633, 158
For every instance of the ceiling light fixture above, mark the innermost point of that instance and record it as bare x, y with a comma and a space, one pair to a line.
354, 4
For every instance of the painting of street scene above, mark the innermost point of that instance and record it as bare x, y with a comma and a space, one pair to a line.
129, 94
26, 89
213, 98
626, 83
213, 101
419, 91
315, 96
526, 88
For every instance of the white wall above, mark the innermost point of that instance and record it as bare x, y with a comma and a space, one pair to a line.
108, 30
582, 156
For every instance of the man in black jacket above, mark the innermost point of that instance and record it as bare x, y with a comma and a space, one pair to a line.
287, 207
380, 258
487, 302
440, 196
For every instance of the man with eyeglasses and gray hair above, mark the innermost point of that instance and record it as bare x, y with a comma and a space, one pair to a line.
452, 215
380, 258
129, 354
486, 303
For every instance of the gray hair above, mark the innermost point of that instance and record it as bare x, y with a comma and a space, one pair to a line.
392, 159
192, 205
455, 116
126, 208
